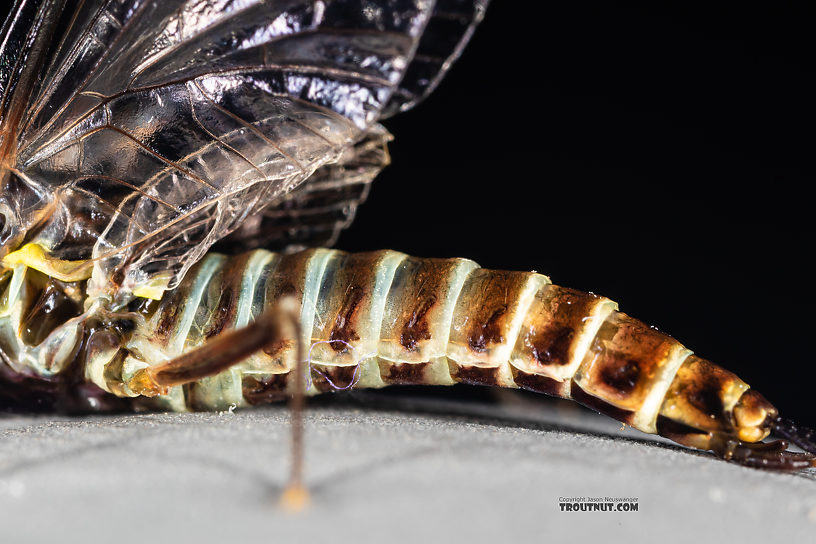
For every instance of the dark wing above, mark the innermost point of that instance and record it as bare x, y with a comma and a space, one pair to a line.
315, 216
157, 121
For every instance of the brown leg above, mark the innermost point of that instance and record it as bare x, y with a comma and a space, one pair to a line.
219, 353
765, 455
275, 328
296, 497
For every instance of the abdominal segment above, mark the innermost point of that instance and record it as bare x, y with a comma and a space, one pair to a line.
384, 318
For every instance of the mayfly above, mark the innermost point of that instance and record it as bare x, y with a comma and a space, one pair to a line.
136, 134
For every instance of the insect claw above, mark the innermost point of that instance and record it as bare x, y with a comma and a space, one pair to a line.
803, 437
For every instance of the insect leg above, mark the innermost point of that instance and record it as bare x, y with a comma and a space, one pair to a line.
768, 455
222, 351
275, 329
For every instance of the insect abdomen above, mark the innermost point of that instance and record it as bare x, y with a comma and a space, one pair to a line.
382, 318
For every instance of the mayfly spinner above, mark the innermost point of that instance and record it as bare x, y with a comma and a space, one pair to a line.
136, 134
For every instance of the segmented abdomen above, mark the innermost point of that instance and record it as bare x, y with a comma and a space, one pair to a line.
381, 318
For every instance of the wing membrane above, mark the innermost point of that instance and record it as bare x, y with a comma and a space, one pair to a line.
23, 49
315, 216
162, 125
449, 29
316, 212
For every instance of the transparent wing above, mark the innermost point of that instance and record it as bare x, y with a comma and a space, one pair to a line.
317, 211
315, 215
449, 29
161, 125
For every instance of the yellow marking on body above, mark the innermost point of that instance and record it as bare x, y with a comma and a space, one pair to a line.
153, 289
34, 256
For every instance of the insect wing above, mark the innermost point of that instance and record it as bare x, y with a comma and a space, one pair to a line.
24, 43
316, 212
450, 27
157, 122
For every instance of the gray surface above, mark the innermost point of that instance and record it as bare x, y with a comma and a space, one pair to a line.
482, 474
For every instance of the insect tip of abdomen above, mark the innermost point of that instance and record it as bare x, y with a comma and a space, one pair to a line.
753, 416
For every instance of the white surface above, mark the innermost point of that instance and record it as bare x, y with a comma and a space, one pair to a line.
379, 475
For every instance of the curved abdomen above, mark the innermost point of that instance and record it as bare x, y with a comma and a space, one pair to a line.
382, 318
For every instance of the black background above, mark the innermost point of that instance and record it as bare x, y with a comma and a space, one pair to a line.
657, 154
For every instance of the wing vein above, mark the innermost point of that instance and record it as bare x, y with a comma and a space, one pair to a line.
253, 128
130, 186
241, 70
91, 73
159, 156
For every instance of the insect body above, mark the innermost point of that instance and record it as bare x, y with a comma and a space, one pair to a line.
382, 318
135, 134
